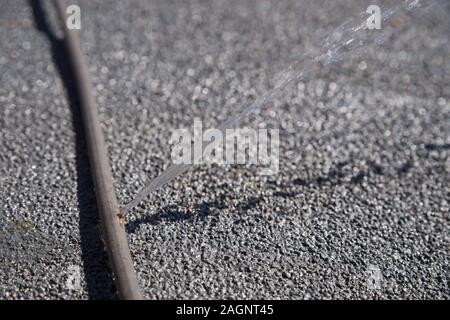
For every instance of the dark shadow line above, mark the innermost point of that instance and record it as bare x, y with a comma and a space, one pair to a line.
172, 213
95, 261
337, 176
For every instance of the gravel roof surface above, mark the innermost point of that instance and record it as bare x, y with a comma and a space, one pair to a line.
363, 185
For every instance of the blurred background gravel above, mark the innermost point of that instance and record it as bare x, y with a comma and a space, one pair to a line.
359, 208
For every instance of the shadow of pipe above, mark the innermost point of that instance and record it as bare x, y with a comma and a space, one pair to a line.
95, 260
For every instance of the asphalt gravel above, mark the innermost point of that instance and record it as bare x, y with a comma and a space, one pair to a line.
359, 208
